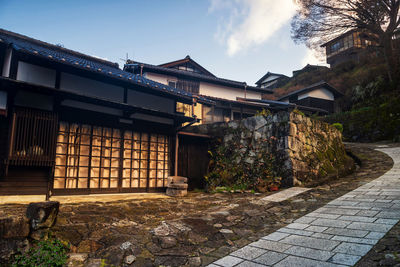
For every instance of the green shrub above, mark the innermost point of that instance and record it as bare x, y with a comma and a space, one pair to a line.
49, 253
378, 119
338, 126
298, 112
263, 112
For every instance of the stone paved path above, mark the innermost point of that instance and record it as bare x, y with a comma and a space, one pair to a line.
338, 234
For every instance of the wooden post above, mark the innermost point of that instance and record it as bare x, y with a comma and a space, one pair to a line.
176, 154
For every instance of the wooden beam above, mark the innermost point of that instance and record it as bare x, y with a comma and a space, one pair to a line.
14, 65
195, 135
176, 154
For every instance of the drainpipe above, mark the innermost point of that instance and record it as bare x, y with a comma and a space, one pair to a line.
245, 90
177, 142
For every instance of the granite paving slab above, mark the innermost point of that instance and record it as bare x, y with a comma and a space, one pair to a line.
338, 234
285, 194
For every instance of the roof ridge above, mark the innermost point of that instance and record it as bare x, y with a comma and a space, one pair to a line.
57, 47
200, 74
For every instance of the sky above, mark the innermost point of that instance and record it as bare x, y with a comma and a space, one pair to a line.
234, 39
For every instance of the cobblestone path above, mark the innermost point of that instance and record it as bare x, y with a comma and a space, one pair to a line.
338, 234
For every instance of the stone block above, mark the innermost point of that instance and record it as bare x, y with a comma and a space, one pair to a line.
249, 264
330, 223
42, 214
270, 245
322, 215
345, 259
346, 232
276, 236
295, 232
310, 253
228, 261
353, 249
293, 261
177, 186
248, 253
299, 226
317, 229
14, 226
376, 227
321, 235
355, 240
357, 218
310, 242
270, 258
305, 219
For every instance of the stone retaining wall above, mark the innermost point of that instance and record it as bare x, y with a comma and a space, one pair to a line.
19, 227
307, 150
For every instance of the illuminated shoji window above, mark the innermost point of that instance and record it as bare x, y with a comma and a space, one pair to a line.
72, 156
145, 160
90, 156
135, 161
83, 147
159, 168
106, 145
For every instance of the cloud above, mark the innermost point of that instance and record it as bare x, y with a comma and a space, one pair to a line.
312, 58
249, 23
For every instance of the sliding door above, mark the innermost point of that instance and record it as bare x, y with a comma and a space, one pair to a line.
93, 157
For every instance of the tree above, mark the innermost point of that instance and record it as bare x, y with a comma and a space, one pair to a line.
318, 21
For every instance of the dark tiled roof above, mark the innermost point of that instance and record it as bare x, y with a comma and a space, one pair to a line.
59, 54
207, 78
269, 74
187, 59
279, 104
312, 87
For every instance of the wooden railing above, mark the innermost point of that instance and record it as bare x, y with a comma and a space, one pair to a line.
33, 137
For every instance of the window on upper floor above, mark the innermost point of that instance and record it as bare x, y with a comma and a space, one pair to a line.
336, 46
214, 114
188, 86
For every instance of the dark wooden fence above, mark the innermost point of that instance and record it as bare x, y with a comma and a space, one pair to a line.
33, 134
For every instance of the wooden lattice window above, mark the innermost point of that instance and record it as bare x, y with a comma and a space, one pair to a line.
33, 135
90, 157
145, 161
85, 152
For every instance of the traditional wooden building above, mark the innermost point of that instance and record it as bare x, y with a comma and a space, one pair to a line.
353, 45
320, 96
272, 80
188, 75
75, 124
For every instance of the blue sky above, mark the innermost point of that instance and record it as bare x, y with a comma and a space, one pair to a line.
234, 39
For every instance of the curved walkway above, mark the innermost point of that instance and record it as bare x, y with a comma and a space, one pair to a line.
338, 234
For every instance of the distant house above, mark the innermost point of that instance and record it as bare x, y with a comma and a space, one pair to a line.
75, 124
186, 74
272, 80
309, 68
320, 95
353, 45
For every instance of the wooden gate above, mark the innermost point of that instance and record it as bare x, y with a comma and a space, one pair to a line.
193, 159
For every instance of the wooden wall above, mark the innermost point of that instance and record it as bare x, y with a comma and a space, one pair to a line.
193, 160
24, 181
